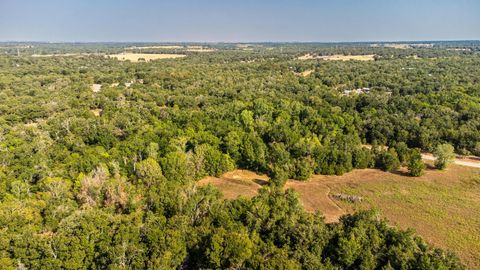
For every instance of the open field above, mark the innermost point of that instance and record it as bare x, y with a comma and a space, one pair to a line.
237, 183
155, 47
338, 57
147, 57
442, 206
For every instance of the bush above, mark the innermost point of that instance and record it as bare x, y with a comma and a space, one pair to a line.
415, 163
388, 160
444, 155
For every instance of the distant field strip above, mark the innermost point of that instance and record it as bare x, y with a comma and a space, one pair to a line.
338, 57
147, 57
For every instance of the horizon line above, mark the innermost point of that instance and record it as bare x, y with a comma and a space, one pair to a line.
237, 42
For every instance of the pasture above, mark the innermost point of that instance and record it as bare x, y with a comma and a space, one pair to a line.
145, 57
155, 47
441, 206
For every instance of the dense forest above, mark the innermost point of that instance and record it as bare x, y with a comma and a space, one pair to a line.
106, 179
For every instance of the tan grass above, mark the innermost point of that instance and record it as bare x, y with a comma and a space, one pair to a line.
147, 57
155, 47
442, 206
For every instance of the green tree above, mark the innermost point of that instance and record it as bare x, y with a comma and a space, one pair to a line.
416, 166
278, 175
388, 160
175, 167
148, 171
444, 154
403, 152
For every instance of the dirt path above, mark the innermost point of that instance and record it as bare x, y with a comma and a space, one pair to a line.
469, 162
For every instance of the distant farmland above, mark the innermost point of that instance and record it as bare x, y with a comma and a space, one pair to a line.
338, 57
146, 57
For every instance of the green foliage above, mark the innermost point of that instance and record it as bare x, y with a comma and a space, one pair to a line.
403, 152
106, 180
388, 160
362, 158
176, 167
444, 155
148, 170
416, 166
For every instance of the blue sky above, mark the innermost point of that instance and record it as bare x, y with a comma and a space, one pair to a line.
237, 21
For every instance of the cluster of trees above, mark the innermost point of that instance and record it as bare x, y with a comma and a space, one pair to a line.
107, 179
192, 228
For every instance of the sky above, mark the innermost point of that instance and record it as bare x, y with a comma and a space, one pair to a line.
238, 21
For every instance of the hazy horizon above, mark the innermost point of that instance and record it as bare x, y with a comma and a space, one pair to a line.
215, 21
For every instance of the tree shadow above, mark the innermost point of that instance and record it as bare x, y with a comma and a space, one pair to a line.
260, 182
430, 167
401, 173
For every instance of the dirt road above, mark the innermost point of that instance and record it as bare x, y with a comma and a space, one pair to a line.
462, 162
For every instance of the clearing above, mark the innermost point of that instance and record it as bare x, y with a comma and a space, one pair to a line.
155, 47
441, 206
96, 87
305, 73
145, 57
237, 183
338, 57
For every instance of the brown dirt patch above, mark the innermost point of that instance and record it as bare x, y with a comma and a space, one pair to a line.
238, 183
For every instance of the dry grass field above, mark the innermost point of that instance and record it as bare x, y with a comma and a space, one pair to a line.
441, 206
155, 47
237, 183
147, 57
338, 57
